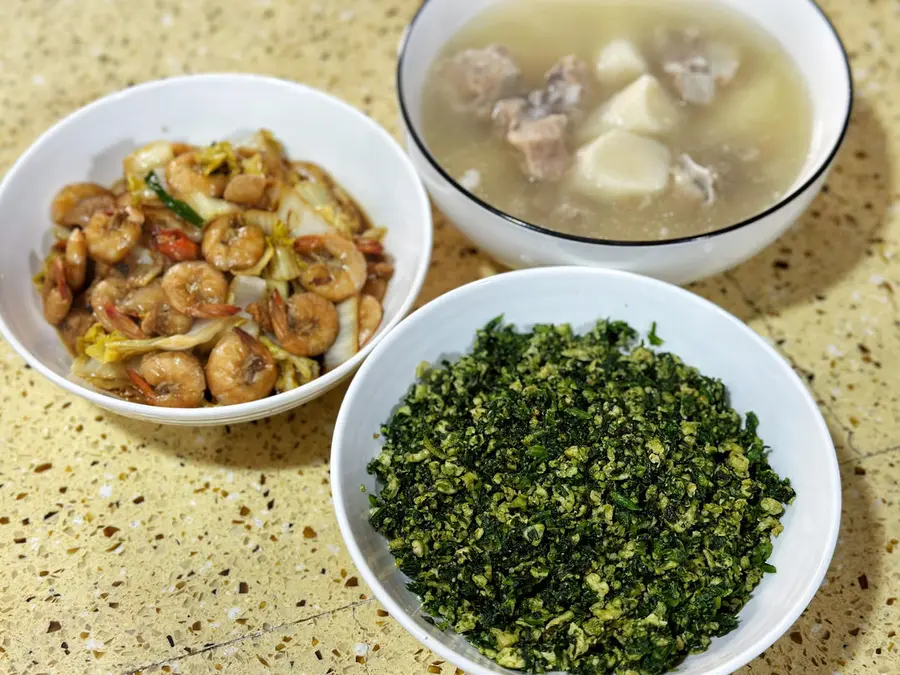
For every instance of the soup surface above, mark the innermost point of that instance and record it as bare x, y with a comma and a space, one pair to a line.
618, 119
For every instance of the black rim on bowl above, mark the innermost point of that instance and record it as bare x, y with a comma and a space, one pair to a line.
784, 201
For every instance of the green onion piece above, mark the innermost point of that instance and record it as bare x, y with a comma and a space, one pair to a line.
178, 207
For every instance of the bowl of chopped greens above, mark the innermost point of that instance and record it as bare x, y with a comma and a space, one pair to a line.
585, 471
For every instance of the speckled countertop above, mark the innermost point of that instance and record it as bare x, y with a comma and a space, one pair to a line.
129, 547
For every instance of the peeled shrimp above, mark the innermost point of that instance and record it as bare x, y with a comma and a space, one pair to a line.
175, 244
56, 294
240, 369
197, 289
336, 270
170, 379
379, 273
231, 243
157, 316
184, 176
106, 299
305, 325
75, 204
246, 189
111, 235
76, 258
370, 314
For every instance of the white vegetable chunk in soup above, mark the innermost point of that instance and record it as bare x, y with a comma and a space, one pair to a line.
632, 120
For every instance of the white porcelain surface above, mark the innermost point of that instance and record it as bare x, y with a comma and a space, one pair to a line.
806, 35
90, 145
704, 335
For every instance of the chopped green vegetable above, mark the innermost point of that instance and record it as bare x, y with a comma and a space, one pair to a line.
653, 338
616, 540
178, 207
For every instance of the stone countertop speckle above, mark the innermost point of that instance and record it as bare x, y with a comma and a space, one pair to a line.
130, 547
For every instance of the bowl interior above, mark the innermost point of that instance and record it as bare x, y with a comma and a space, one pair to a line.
705, 336
801, 27
91, 144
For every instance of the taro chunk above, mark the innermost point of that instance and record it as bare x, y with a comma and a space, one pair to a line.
475, 79
619, 63
694, 181
541, 144
622, 164
643, 107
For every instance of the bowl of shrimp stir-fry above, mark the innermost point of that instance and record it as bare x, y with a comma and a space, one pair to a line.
219, 279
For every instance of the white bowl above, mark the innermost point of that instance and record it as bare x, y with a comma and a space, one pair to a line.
803, 30
90, 145
704, 335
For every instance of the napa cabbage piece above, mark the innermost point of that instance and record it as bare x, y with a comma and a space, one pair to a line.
293, 371
327, 199
105, 376
300, 217
347, 342
208, 207
285, 264
112, 347
139, 163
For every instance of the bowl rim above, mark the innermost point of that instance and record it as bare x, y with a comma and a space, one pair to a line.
272, 404
785, 200
355, 394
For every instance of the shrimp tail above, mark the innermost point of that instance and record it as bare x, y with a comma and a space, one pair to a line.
142, 385
249, 341
278, 313
369, 246
176, 245
59, 275
122, 322
211, 311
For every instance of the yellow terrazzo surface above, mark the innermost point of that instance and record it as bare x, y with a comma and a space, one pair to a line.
129, 547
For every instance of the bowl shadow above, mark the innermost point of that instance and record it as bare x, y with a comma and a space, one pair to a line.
299, 437
826, 635
841, 228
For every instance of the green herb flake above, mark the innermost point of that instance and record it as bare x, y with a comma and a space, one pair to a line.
577, 503
653, 338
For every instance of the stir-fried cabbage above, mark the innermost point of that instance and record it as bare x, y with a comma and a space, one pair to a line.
208, 207
327, 198
300, 218
140, 162
347, 343
260, 265
285, 264
106, 376
217, 156
115, 346
293, 371
144, 266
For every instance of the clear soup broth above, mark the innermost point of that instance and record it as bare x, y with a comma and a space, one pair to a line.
693, 120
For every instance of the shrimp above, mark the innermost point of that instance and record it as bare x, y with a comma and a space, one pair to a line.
156, 314
337, 269
379, 273
260, 313
305, 325
197, 289
106, 299
370, 314
111, 235
75, 204
76, 258
175, 244
184, 176
170, 379
240, 369
231, 243
56, 294
74, 326
246, 189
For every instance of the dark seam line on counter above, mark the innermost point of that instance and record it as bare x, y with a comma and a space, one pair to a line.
249, 636
820, 400
877, 453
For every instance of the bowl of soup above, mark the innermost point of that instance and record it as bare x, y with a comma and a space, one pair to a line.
672, 139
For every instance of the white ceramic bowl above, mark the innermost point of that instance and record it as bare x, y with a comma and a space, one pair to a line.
800, 26
704, 335
90, 145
